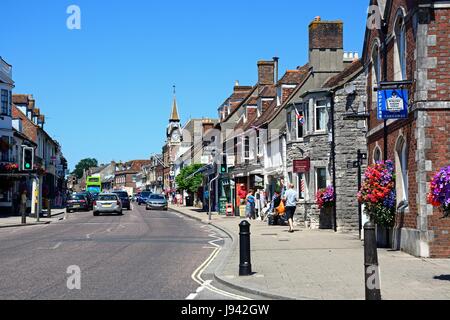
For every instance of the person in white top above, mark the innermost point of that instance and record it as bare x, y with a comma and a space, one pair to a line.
291, 199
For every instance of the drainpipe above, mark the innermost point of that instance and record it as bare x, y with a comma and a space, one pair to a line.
333, 159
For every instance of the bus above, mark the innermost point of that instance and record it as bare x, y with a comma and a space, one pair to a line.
93, 184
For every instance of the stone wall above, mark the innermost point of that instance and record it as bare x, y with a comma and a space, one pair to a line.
350, 135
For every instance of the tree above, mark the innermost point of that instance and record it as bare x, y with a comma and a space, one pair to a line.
187, 181
83, 165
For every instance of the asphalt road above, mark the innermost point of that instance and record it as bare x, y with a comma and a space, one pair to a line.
140, 255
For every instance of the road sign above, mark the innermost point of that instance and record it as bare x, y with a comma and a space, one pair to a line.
392, 104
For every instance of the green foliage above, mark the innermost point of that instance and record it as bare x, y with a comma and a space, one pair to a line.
84, 165
187, 181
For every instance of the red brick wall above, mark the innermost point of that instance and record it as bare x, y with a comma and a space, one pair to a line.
440, 27
439, 132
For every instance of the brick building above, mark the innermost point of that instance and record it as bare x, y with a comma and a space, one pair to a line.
408, 48
125, 175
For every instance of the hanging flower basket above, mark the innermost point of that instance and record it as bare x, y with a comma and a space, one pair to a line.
325, 197
378, 193
9, 167
439, 195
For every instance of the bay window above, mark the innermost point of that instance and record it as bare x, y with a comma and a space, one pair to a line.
320, 113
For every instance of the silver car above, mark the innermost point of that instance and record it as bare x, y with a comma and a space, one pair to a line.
156, 202
107, 203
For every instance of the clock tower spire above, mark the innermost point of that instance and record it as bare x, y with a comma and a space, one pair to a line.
174, 128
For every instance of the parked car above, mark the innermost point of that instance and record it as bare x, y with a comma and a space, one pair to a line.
143, 197
123, 196
77, 202
107, 203
156, 202
90, 198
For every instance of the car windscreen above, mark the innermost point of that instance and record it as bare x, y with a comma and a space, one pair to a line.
122, 194
77, 197
156, 197
145, 194
107, 197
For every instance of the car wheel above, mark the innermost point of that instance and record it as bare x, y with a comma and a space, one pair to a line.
120, 213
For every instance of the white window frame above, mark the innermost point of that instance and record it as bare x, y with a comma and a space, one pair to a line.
316, 107
297, 124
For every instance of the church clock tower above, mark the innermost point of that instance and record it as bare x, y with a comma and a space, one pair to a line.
174, 127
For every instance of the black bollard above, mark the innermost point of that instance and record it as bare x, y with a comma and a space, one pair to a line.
371, 269
24, 218
245, 266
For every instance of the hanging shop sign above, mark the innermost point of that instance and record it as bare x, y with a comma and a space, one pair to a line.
392, 104
302, 166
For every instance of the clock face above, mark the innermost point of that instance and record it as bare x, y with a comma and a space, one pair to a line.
176, 136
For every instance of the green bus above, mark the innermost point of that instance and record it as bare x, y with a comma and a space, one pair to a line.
93, 184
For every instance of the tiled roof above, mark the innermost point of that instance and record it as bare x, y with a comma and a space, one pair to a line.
20, 99
294, 76
342, 77
269, 91
274, 110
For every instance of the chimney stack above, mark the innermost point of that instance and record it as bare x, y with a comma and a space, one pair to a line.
266, 70
276, 60
326, 48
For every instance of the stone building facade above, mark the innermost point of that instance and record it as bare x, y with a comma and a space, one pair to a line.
409, 47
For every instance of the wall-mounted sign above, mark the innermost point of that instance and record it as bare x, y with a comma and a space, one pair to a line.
392, 104
302, 166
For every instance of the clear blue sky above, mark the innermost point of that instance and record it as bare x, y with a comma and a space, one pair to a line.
106, 89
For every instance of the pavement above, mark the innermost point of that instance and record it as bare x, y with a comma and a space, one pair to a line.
321, 265
15, 220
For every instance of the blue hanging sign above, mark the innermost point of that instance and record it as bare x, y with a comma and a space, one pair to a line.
392, 104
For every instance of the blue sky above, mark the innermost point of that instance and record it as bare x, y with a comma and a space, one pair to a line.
106, 90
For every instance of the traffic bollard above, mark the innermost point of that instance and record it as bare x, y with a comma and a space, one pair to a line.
24, 218
371, 268
245, 266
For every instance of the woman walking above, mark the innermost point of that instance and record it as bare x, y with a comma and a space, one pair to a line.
250, 205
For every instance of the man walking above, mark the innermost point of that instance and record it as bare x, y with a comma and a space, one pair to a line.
291, 205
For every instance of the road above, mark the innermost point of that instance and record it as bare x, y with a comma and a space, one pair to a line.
145, 255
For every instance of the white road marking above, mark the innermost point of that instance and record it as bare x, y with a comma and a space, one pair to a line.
88, 236
192, 296
52, 248
197, 274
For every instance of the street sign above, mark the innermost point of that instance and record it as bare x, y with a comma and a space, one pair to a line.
392, 104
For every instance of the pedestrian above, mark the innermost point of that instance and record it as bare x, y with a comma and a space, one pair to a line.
291, 199
250, 205
23, 202
178, 197
276, 201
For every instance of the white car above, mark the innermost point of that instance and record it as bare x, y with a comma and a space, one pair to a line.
107, 203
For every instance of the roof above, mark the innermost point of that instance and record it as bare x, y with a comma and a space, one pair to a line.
343, 77
300, 77
174, 114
